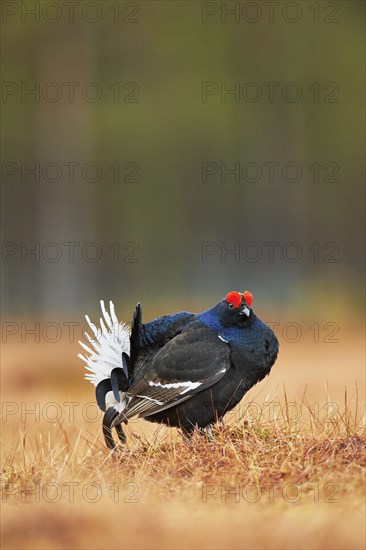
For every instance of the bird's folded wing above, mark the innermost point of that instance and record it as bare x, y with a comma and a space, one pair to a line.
188, 364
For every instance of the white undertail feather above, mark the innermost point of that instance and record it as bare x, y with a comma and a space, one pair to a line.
105, 348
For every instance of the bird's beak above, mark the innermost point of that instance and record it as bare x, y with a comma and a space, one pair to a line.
245, 311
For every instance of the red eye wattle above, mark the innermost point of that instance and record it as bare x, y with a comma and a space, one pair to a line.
248, 297
234, 298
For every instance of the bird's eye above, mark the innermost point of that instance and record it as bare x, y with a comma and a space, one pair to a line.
231, 306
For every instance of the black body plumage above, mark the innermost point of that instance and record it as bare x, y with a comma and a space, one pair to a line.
189, 370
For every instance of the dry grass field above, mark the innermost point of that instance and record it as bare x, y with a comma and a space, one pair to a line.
286, 471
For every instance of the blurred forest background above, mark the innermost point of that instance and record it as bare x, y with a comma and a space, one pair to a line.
149, 223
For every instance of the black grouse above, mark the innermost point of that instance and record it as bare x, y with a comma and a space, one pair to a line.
185, 369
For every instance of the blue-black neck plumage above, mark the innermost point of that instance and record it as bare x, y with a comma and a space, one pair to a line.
211, 318
229, 333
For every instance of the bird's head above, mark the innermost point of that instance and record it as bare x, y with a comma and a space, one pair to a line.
236, 308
